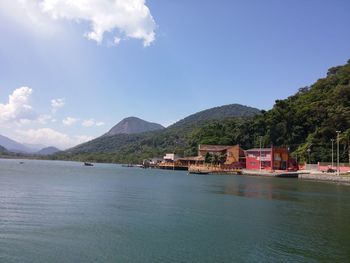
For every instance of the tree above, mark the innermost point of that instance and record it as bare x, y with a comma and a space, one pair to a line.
208, 158
345, 139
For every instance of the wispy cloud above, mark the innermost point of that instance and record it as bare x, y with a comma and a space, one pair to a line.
69, 121
50, 137
56, 104
123, 18
92, 122
44, 118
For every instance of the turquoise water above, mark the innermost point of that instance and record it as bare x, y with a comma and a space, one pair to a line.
65, 212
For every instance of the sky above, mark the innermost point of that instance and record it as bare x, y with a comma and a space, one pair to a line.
70, 70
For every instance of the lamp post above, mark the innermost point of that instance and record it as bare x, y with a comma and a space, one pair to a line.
308, 151
332, 140
338, 132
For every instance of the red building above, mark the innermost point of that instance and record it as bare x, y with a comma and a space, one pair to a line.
273, 158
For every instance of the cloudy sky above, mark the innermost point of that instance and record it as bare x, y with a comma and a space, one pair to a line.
70, 70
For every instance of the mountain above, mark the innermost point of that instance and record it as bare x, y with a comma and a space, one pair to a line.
13, 146
3, 150
133, 125
218, 113
48, 151
137, 146
34, 147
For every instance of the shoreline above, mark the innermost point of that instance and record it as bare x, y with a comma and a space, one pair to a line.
326, 177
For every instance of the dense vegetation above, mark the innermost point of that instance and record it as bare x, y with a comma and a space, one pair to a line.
306, 120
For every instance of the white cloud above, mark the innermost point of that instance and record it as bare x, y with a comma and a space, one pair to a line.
57, 104
92, 122
122, 18
17, 109
88, 123
44, 118
28, 14
100, 123
69, 121
50, 137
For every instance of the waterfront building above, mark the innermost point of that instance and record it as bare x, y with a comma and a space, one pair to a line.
274, 158
233, 154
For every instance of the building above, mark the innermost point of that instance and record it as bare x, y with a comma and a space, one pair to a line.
274, 158
170, 157
233, 154
187, 161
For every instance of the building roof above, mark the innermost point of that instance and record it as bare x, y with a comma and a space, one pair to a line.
192, 158
214, 148
258, 150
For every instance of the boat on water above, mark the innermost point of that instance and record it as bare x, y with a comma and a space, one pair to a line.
88, 164
198, 172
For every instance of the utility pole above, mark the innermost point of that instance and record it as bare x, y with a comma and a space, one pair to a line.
338, 132
332, 140
260, 154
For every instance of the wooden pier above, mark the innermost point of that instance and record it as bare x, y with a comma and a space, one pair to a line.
212, 169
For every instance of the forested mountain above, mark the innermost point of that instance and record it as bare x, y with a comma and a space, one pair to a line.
135, 147
307, 120
217, 113
133, 125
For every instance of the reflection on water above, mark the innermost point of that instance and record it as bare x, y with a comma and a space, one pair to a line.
267, 188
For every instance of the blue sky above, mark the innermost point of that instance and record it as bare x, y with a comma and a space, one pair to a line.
161, 63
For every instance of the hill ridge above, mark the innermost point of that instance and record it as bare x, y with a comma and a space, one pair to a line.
133, 125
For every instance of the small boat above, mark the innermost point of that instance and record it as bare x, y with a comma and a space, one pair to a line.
198, 172
88, 164
21, 162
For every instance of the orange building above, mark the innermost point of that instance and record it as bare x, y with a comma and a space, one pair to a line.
234, 153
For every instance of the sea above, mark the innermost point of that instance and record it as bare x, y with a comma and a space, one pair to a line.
55, 211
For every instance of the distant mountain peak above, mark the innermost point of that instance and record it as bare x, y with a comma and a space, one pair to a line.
13, 146
133, 125
48, 151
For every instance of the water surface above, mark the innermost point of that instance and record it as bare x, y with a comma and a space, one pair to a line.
65, 212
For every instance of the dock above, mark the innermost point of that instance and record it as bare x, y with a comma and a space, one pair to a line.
212, 169
282, 174
169, 166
